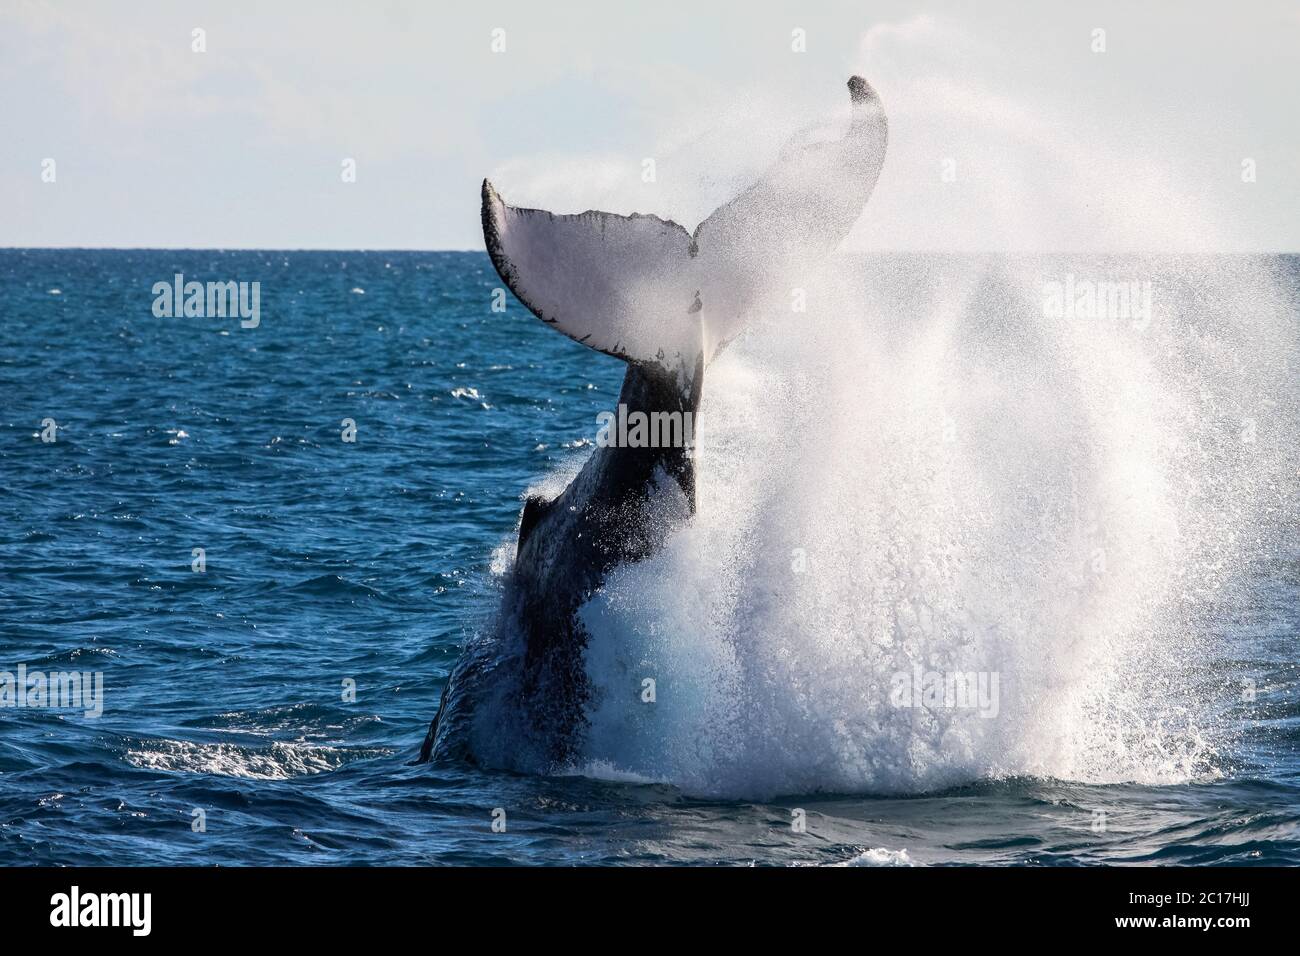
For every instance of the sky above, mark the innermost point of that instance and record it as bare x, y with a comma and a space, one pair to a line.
1009, 128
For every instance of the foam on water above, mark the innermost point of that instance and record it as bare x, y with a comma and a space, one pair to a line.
276, 761
879, 856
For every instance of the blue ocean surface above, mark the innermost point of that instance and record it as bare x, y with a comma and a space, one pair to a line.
230, 732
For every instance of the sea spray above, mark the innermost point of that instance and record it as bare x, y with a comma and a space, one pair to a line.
931, 473
929, 465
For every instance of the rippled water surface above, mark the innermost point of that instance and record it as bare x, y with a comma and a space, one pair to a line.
329, 562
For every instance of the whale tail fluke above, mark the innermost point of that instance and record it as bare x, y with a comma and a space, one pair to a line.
644, 289
611, 282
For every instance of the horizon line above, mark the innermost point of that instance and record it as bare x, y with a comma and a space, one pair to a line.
483, 251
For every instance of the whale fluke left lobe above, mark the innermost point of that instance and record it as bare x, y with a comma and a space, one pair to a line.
604, 280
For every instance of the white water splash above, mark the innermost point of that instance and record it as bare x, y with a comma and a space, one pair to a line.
277, 761
879, 856
928, 473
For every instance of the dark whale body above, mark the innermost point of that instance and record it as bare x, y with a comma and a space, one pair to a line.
666, 302
565, 548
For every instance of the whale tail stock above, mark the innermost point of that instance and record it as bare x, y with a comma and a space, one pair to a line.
665, 301
647, 291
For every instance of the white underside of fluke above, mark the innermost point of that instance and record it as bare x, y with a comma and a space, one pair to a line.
644, 289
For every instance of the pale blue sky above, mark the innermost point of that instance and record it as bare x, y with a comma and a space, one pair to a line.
1054, 146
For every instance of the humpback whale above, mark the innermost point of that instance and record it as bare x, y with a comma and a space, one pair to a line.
666, 302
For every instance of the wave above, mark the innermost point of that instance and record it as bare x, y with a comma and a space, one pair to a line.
275, 761
878, 856
330, 586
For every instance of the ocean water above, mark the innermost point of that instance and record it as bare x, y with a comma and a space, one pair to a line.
1103, 515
